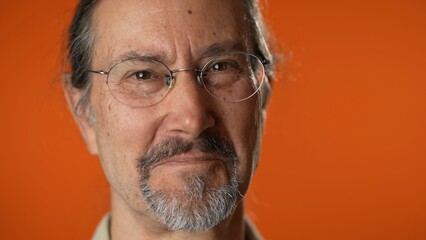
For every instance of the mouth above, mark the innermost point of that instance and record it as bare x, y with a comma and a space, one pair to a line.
189, 159
175, 155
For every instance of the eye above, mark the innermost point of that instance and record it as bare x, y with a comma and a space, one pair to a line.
224, 66
143, 75
220, 66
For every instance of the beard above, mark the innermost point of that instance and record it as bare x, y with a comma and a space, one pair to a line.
199, 206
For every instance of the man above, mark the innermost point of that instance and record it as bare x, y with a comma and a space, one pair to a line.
171, 95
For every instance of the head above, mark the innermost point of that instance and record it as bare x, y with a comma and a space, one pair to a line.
186, 160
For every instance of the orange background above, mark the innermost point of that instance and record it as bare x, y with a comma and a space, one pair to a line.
344, 153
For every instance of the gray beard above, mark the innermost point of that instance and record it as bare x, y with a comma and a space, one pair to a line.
198, 207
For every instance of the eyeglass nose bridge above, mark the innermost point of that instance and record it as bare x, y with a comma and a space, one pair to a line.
198, 71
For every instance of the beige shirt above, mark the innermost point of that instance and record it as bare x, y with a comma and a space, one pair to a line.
102, 231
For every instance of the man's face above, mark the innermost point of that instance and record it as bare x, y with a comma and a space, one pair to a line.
139, 147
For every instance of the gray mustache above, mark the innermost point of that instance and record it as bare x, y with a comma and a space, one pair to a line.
206, 142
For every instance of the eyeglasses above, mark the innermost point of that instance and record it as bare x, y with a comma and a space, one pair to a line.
142, 81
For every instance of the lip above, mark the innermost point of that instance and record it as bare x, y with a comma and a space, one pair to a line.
189, 159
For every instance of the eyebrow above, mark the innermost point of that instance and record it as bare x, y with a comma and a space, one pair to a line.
223, 47
211, 51
134, 54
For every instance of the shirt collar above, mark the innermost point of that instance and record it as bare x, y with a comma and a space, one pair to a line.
102, 231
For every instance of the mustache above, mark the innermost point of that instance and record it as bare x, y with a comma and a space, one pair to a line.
206, 142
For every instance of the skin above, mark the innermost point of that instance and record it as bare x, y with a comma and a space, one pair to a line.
180, 32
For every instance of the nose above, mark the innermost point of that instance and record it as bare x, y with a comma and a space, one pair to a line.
189, 107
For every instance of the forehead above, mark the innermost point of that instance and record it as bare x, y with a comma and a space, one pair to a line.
169, 29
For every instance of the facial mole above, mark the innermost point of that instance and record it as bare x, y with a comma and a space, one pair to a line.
214, 33
189, 11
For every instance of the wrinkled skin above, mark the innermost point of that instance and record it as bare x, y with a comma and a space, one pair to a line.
180, 33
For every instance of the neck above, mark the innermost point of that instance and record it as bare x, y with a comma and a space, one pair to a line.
126, 223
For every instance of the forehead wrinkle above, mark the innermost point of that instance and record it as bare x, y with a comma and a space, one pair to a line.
168, 53
116, 46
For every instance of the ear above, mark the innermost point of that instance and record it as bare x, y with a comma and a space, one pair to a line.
266, 93
264, 114
85, 125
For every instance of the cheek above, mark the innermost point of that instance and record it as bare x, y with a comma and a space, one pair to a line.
123, 135
242, 120
120, 129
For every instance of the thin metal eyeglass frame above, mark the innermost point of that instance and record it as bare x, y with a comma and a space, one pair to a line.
199, 72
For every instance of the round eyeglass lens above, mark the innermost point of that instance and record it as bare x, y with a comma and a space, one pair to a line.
139, 82
233, 77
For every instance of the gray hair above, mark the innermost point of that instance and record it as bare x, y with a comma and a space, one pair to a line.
81, 38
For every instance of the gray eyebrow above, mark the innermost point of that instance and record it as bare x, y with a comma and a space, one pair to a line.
211, 51
223, 47
134, 54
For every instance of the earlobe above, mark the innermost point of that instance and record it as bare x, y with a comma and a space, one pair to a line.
266, 92
264, 114
84, 122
